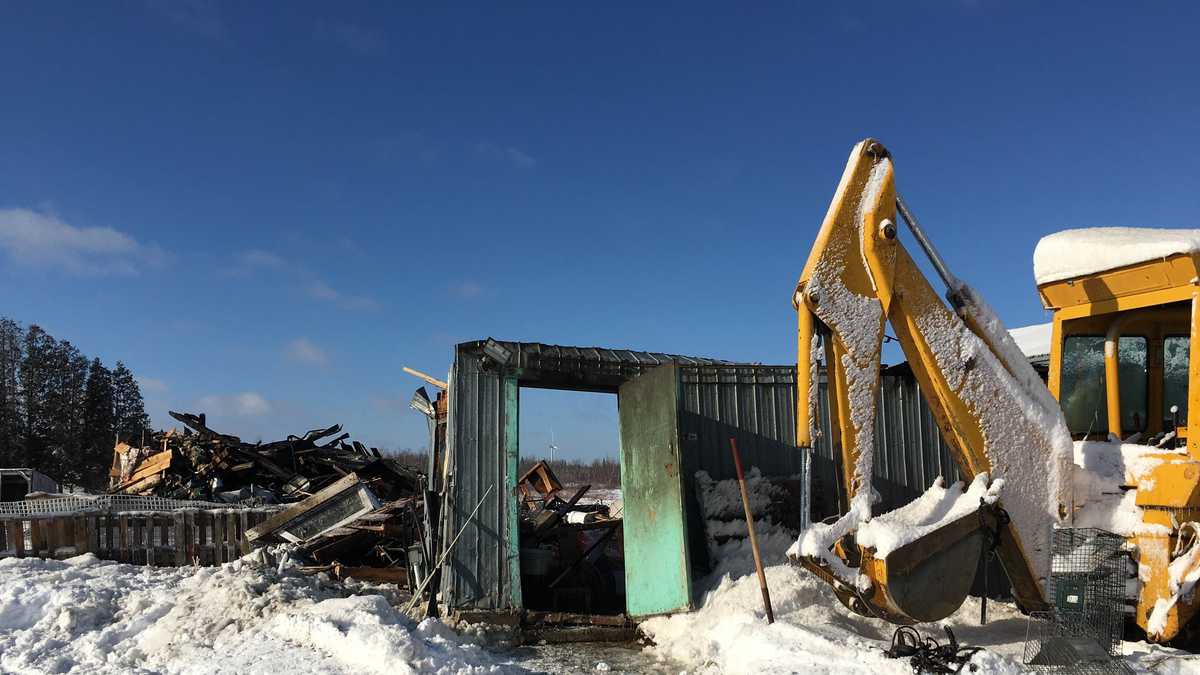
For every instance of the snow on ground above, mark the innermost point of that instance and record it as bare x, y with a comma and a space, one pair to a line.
84, 615
814, 634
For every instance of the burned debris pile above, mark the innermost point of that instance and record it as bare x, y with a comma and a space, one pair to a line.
202, 464
572, 558
349, 511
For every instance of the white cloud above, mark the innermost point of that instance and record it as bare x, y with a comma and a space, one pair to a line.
245, 404
151, 384
259, 259
319, 290
360, 39
201, 17
302, 350
466, 289
515, 156
36, 239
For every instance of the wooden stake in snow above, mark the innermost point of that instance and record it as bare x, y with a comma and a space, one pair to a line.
758, 566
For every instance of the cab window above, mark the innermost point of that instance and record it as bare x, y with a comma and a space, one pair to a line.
1175, 376
1083, 381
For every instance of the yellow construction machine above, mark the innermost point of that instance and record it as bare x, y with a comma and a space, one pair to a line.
1117, 407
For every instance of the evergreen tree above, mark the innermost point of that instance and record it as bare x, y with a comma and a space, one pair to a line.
98, 427
36, 375
12, 426
66, 409
130, 420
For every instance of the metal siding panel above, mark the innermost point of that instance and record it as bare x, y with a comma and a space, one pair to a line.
476, 570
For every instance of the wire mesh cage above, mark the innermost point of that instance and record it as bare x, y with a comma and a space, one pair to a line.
1083, 630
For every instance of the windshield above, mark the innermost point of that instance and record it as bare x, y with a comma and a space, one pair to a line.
1083, 383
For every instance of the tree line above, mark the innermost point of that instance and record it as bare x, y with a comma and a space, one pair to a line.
60, 412
603, 472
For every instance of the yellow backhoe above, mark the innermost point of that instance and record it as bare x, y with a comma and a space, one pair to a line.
1117, 408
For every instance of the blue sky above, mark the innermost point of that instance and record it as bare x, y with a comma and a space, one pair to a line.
267, 210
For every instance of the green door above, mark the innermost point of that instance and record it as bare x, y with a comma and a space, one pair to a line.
657, 570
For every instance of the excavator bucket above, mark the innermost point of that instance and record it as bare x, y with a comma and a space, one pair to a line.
924, 580
928, 579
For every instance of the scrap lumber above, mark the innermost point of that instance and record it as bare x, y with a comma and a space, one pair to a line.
208, 465
440, 384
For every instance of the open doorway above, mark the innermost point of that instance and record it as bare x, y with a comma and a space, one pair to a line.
571, 538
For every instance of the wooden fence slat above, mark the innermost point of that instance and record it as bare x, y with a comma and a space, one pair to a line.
219, 550
123, 532
148, 550
231, 536
35, 538
19, 531
166, 530
243, 525
202, 521
180, 540
93, 536
80, 534
64, 534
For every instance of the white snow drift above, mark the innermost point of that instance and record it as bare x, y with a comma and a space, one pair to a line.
87, 616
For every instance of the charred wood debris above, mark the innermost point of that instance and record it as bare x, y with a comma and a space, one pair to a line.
349, 510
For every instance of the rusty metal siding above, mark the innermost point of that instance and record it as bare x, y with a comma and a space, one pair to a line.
477, 573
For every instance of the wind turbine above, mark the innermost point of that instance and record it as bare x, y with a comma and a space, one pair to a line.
553, 447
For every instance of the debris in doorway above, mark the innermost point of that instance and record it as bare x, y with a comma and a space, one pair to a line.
572, 559
538, 484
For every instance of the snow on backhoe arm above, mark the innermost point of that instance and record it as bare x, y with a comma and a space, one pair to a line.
1006, 432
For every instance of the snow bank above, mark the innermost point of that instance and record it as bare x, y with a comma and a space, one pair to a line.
728, 539
812, 632
1074, 253
938, 507
84, 615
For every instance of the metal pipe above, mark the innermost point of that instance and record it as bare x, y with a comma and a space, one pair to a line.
1112, 381
948, 278
758, 566
804, 369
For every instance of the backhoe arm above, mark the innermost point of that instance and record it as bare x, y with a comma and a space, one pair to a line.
984, 397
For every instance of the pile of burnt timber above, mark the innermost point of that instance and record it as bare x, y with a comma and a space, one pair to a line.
348, 531
572, 557
202, 464
351, 512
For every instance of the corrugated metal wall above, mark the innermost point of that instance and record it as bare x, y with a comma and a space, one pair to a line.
754, 404
909, 450
477, 570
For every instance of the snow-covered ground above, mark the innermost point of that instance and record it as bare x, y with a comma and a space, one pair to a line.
814, 634
89, 616
84, 615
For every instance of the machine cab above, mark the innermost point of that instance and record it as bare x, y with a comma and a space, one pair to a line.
1124, 325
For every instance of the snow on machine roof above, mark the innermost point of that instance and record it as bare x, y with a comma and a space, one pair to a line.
1075, 253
